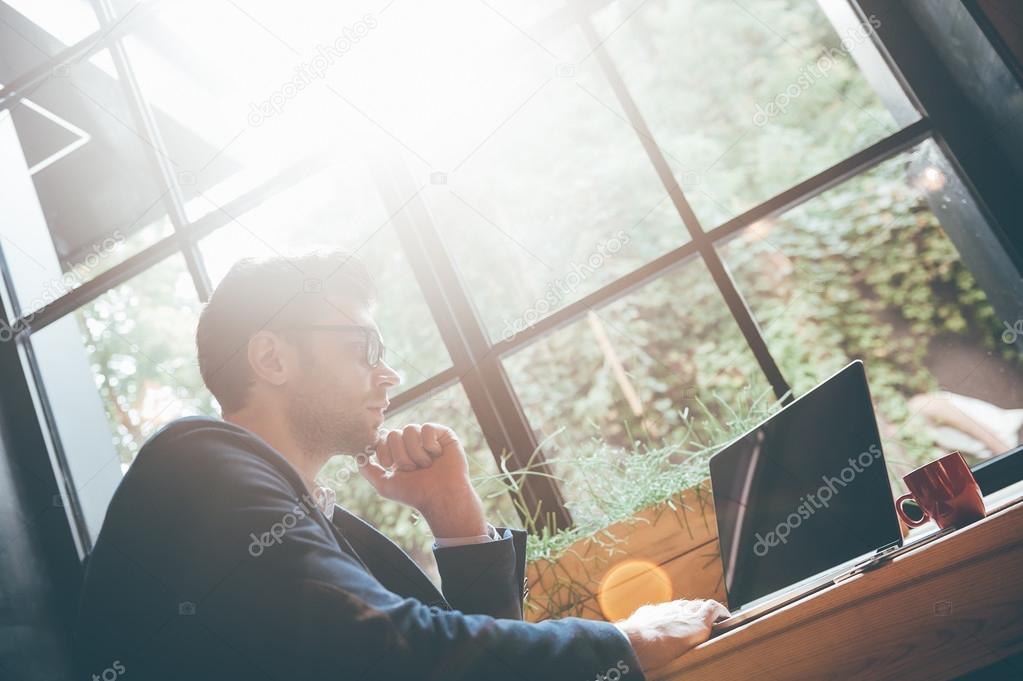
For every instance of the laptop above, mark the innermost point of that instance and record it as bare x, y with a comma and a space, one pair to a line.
803, 499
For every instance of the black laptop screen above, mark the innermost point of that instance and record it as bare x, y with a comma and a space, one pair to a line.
804, 492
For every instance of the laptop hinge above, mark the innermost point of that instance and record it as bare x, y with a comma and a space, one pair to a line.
888, 547
869, 563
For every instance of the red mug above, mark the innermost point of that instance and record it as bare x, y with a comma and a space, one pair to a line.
946, 492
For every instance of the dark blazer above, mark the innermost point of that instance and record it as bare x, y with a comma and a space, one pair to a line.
213, 564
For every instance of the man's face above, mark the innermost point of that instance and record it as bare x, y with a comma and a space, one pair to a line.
336, 401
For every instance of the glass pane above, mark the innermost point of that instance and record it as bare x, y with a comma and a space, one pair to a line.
664, 373
141, 341
340, 208
449, 407
557, 200
257, 102
83, 194
457, 74
34, 31
747, 99
876, 269
128, 355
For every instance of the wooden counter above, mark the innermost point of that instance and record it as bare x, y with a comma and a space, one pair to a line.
946, 608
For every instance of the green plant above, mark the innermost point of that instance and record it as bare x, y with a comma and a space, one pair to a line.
619, 484
620, 481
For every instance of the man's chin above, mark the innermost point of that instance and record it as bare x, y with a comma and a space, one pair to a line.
367, 444
371, 443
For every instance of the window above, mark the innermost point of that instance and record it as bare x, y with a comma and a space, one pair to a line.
637, 365
38, 30
645, 369
91, 199
745, 100
339, 208
867, 270
234, 113
129, 358
596, 228
541, 214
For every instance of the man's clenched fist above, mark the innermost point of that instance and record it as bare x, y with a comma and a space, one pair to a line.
424, 466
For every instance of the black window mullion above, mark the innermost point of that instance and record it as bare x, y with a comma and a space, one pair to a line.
197, 270
22, 86
410, 397
973, 150
500, 415
722, 278
987, 27
168, 246
63, 481
163, 164
859, 162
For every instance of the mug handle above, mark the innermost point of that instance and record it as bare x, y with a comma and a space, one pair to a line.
902, 513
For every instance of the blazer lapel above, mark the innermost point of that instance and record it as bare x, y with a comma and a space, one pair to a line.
385, 560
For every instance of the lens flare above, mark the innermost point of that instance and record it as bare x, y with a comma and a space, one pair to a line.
630, 584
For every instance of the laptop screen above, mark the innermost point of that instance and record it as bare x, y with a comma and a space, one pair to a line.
804, 492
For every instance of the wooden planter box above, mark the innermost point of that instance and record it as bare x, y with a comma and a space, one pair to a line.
661, 553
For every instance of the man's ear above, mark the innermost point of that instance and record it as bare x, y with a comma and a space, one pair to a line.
270, 357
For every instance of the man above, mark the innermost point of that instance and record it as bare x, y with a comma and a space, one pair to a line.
220, 558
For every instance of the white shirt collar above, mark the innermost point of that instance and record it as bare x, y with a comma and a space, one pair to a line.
325, 498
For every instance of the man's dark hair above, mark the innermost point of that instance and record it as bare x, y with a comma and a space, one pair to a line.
270, 293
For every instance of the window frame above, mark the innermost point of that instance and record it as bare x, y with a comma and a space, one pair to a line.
476, 359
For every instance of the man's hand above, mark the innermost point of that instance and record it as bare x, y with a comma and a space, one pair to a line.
425, 467
662, 632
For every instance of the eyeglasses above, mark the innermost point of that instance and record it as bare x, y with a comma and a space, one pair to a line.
374, 344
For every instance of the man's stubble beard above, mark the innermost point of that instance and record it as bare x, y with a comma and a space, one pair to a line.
321, 424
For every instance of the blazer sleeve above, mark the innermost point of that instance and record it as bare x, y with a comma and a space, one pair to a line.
302, 608
486, 578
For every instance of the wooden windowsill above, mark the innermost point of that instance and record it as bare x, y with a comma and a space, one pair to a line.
936, 612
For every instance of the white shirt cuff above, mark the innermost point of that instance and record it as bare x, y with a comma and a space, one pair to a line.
445, 542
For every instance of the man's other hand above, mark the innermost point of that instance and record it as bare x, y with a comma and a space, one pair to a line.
662, 632
424, 466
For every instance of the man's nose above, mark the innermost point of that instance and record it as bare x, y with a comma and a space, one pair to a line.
388, 376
